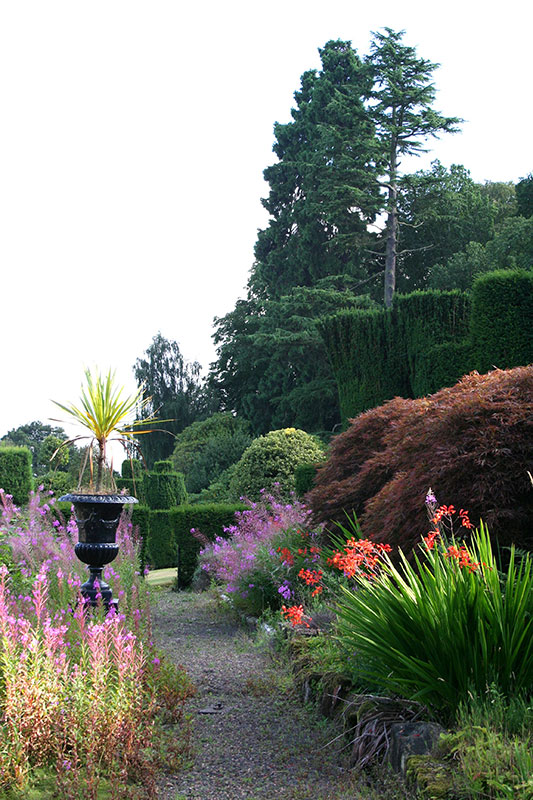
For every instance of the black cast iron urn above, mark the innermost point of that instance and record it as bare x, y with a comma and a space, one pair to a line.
97, 518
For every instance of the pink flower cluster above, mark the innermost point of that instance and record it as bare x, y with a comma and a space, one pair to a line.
231, 557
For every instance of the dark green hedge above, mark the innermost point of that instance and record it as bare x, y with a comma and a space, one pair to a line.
502, 319
210, 519
16, 476
140, 517
423, 322
170, 534
429, 340
443, 365
161, 548
376, 355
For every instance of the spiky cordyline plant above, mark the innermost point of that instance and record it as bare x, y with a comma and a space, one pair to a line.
106, 415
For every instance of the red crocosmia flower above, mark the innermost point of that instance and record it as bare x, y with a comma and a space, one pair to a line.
294, 614
286, 556
465, 521
462, 556
360, 556
310, 576
430, 539
443, 511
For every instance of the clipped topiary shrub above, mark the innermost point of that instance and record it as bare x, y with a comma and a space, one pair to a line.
161, 550
131, 480
164, 488
472, 443
163, 467
272, 459
15, 473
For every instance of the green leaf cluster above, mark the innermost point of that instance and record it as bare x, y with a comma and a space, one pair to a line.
203, 450
272, 368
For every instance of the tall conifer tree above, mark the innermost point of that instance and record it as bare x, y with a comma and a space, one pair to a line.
401, 108
323, 188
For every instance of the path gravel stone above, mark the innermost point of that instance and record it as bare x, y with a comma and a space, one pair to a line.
252, 738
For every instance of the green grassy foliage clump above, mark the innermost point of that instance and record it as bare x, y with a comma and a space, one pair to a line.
446, 627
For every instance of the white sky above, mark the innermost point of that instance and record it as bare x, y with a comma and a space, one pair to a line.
132, 144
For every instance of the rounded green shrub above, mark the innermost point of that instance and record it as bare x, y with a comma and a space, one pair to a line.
272, 459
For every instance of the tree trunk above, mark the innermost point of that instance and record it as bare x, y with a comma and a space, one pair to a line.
101, 463
392, 233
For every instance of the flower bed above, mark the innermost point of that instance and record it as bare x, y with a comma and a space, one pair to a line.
436, 634
83, 695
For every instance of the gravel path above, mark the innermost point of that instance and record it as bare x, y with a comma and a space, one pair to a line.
252, 738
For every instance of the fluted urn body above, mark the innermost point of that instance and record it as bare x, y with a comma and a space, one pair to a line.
97, 518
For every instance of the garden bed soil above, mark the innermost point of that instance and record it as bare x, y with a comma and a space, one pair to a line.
252, 737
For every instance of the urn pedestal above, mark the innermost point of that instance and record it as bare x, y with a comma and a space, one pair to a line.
97, 518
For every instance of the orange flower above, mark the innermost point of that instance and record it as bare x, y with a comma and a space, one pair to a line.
310, 576
294, 614
430, 539
286, 556
360, 556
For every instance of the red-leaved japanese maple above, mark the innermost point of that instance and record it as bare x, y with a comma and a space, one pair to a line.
472, 443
